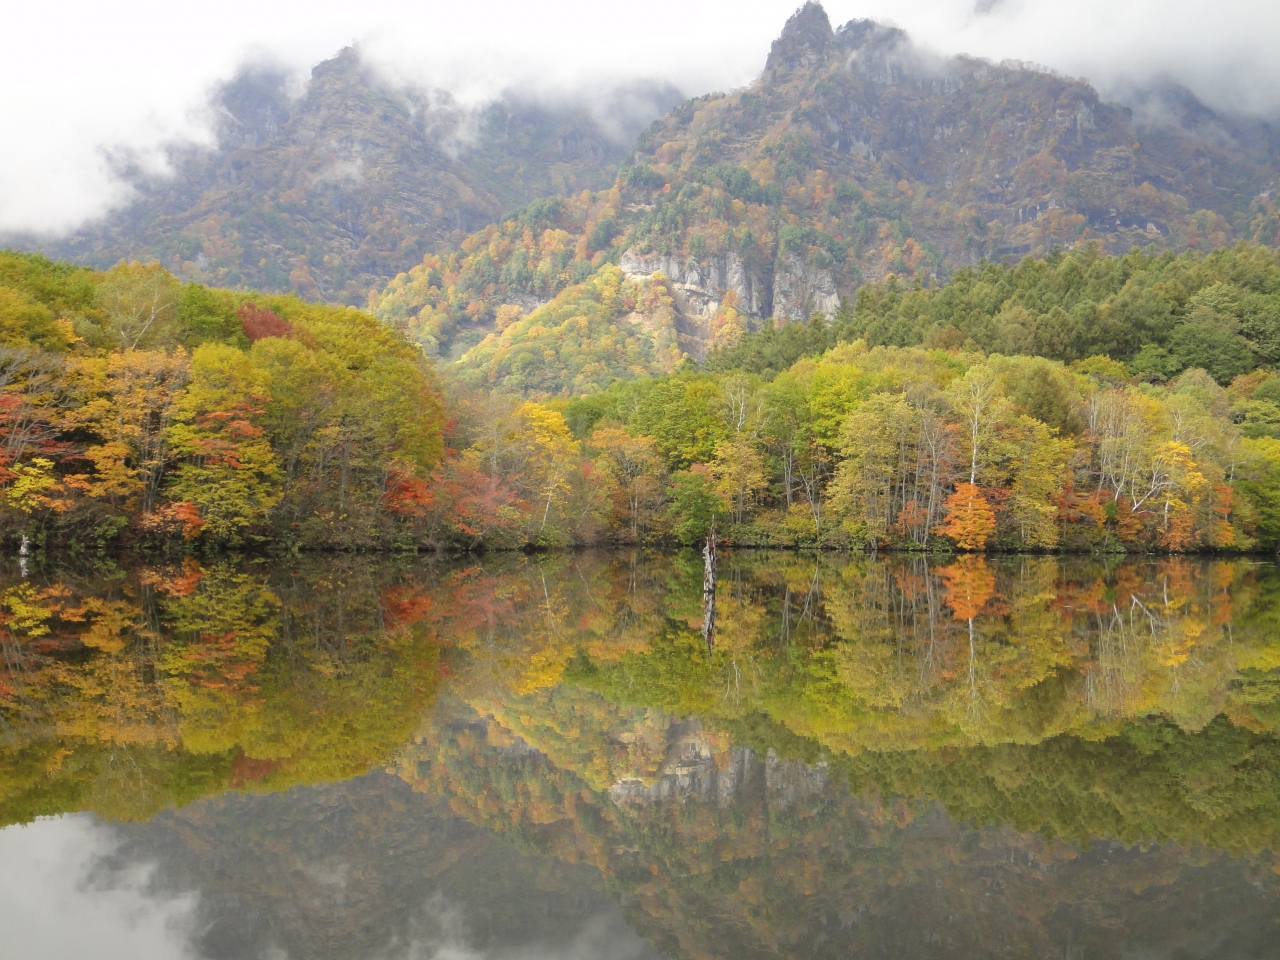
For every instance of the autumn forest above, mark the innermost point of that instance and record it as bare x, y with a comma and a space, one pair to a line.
1080, 402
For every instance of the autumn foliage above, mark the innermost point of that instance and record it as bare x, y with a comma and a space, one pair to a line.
258, 322
165, 415
969, 520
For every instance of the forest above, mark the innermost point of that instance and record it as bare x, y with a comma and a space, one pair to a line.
1079, 402
141, 412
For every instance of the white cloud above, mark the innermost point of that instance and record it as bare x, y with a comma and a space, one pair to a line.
1223, 50
88, 84
51, 910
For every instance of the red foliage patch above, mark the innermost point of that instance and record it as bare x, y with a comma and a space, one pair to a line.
259, 322
246, 770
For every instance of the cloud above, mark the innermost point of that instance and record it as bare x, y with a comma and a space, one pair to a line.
51, 908
1223, 51
450, 938
92, 89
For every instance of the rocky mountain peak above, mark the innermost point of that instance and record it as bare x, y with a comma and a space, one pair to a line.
345, 63
253, 106
858, 35
803, 41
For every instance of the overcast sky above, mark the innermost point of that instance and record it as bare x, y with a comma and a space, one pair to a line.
83, 81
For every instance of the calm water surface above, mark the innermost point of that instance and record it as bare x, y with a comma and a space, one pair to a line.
523, 758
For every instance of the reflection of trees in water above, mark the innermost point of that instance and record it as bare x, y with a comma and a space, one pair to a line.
262, 675
133, 692
746, 799
729, 849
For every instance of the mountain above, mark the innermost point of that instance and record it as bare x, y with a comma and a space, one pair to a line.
331, 193
856, 156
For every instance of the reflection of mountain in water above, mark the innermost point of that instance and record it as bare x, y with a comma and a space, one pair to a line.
692, 771
1012, 757
368, 869
730, 853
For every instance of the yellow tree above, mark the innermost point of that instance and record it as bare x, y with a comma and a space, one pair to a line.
633, 469
982, 407
141, 302
879, 442
549, 454
739, 475
130, 402
1039, 473
228, 471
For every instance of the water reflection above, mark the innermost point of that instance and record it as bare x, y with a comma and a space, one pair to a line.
900, 757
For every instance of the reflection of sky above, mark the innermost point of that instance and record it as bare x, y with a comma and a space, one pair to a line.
600, 937
53, 907
65, 893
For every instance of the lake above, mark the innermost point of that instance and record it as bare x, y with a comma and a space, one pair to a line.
524, 757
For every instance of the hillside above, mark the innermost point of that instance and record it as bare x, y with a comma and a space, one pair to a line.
854, 157
329, 194
142, 413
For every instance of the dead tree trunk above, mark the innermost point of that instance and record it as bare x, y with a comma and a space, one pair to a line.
709, 590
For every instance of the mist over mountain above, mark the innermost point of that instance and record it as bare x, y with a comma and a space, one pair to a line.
855, 156
332, 192
893, 161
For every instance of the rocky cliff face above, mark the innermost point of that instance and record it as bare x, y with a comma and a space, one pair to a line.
333, 193
794, 290
801, 288
853, 157
702, 283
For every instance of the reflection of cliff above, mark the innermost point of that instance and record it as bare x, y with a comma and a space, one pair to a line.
218, 677
367, 869
798, 791
691, 771
733, 851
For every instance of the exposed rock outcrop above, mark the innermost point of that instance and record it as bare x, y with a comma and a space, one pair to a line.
703, 283
800, 289
794, 290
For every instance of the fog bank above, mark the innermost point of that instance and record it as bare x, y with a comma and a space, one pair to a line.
92, 90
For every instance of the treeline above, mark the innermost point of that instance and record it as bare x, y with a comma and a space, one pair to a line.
1160, 314
900, 447
136, 409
